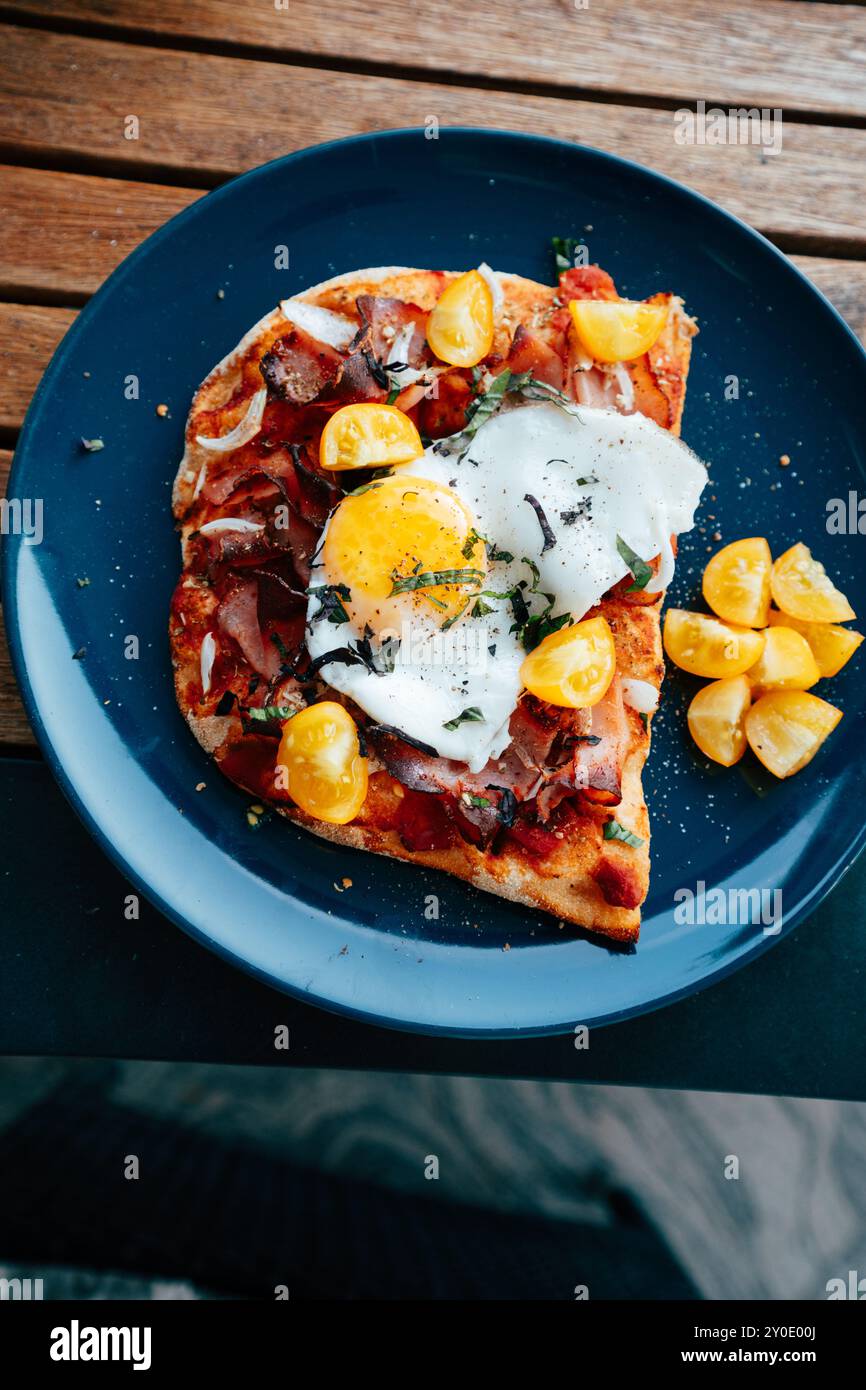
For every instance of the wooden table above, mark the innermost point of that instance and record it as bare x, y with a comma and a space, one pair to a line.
114, 116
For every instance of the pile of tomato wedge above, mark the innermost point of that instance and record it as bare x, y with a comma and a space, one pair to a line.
774, 632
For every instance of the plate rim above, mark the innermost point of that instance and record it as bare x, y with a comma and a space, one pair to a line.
89, 817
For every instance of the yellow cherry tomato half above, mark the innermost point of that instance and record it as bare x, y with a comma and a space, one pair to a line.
785, 729
830, 645
368, 435
737, 582
573, 667
617, 330
717, 719
324, 772
705, 646
786, 663
460, 326
801, 586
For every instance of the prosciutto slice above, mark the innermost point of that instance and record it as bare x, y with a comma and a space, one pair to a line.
238, 618
388, 320
298, 367
529, 353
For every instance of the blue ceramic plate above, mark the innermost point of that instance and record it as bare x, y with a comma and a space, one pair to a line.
266, 898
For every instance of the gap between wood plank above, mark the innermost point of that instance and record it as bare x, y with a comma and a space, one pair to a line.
244, 51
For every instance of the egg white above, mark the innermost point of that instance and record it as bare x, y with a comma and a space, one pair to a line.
598, 477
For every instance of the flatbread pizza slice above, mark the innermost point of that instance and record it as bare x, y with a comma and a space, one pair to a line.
553, 467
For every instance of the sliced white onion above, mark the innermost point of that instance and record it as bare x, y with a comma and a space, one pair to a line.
491, 280
626, 386
228, 523
401, 345
641, 695
666, 570
206, 660
334, 329
246, 429
199, 482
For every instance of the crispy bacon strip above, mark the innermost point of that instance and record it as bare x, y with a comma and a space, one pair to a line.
388, 319
238, 618
298, 367
529, 353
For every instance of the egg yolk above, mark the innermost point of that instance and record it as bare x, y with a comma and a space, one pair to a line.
404, 546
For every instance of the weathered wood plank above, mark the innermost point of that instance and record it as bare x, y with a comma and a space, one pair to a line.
780, 53
28, 336
62, 234
202, 118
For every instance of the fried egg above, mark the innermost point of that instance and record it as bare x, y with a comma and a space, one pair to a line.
427, 576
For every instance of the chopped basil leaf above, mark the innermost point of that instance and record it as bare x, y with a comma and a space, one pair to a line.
564, 248
285, 654
471, 541
403, 584
480, 609
614, 831
541, 625
365, 487
640, 570
393, 394
331, 598
268, 713
472, 715
507, 808
472, 800
449, 622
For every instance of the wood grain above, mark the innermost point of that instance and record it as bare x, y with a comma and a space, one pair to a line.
28, 336
782, 53
62, 234
64, 99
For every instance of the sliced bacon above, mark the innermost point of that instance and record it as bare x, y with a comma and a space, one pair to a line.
297, 368
443, 411
251, 762
529, 353
590, 386
360, 378
246, 471
279, 597
598, 766
303, 540
238, 618
317, 492
423, 773
387, 318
